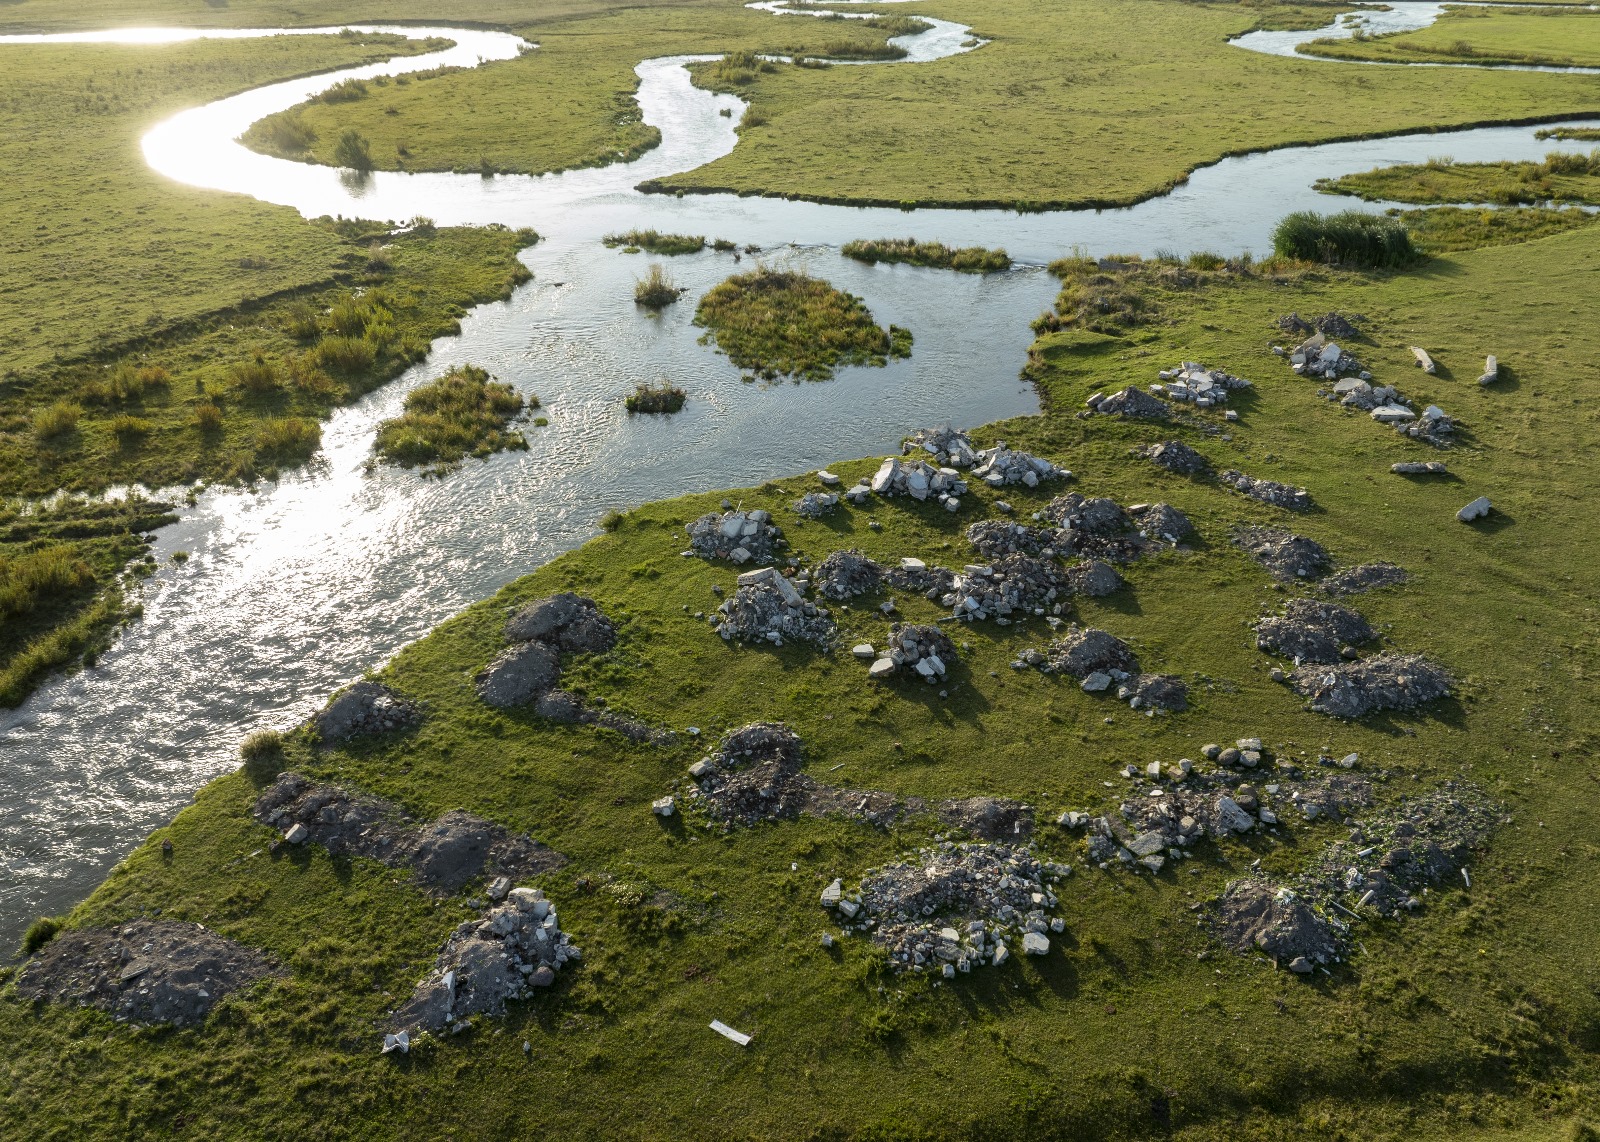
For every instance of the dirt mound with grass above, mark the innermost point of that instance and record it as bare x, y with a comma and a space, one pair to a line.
1256, 915
1312, 631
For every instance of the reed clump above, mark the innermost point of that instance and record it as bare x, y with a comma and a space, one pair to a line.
43, 575
663, 398
967, 259
465, 412
1349, 238
656, 242
656, 290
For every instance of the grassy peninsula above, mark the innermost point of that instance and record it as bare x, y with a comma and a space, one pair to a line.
1544, 36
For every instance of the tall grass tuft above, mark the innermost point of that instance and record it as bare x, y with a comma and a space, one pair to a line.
465, 411
968, 259
207, 417
1349, 238
656, 290
657, 242
257, 376
288, 438
56, 420
656, 398
40, 933
40, 576
129, 429
345, 91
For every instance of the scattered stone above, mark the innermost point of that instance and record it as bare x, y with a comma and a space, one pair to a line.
514, 950
364, 708
1035, 943
1319, 357
144, 972
1130, 402
815, 505
1285, 555
864, 651
566, 621
1270, 491
843, 575
664, 806
1175, 456
924, 652
1477, 509
919, 480
1309, 631
949, 447
736, 536
1205, 387
1094, 579
1491, 371
1162, 521
1383, 682
768, 607
1095, 682
518, 675
829, 480
1001, 466
1365, 577
1418, 468
444, 856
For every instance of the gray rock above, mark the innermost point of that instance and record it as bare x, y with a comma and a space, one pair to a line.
1477, 509
1035, 944
1231, 817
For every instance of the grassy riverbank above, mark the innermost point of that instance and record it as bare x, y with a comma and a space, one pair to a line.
1545, 36
1476, 1018
1570, 179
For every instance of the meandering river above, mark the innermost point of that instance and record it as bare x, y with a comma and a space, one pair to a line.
303, 584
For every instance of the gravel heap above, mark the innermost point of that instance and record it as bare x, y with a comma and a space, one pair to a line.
1093, 526
1155, 692
1270, 491
1175, 456
144, 972
1319, 357
754, 776
815, 505
365, 708
444, 855
919, 651
949, 447
953, 906
735, 536
1258, 915
843, 575
1365, 577
1161, 521
1311, 631
519, 675
1017, 585
1285, 555
767, 607
515, 949
1000, 466
568, 622
1083, 652
1129, 402
1206, 387
1094, 579
995, 538
919, 480
1383, 682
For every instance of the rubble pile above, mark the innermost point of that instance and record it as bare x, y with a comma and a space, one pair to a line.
917, 651
1432, 427
919, 480
1286, 555
918, 578
1257, 915
843, 575
1364, 577
444, 855
566, 621
1130, 401
766, 606
988, 818
519, 675
1329, 324
815, 505
735, 536
1016, 585
365, 708
995, 538
1161, 521
1318, 357
144, 972
1001, 466
1310, 631
954, 906
1382, 682
1084, 653
1093, 526
515, 949
1352, 392
1094, 579
1194, 382
1155, 692
1175, 456
754, 776
949, 447
1270, 491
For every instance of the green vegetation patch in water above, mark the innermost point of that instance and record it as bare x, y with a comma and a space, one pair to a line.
656, 398
1565, 178
463, 412
967, 259
778, 323
656, 242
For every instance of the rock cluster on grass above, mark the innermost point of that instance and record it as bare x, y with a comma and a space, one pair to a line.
767, 607
953, 906
1382, 682
736, 536
1329, 324
1161, 521
917, 479
915, 651
1433, 427
1269, 491
1000, 467
1205, 387
1352, 392
1014, 587
1286, 555
1310, 631
1094, 579
367, 707
816, 505
443, 856
1364, 577
1084, 653
515, 949
949, 447
995, 538
843, 575
1155, 692
144, 972
1129, 402
1316, 356
1175, 456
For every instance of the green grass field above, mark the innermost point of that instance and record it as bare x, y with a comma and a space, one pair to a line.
1477, 1018
1553, 36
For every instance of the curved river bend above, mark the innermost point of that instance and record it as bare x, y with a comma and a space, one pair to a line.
294, 590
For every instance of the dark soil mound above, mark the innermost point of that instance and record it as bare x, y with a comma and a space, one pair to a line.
1176, 456
567, 621
1383, 682
845, 574
1309, 631
1366, 577
757, 776
1156, 692
1286, 555
519, 675
1084, 650
364, 708
1255, 914
1094, 579
989, 818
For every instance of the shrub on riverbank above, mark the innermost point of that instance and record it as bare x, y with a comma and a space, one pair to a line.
656, 242
1349, 238
656, 290
463, 412
656, 398
353, 151
785, 323
968, 259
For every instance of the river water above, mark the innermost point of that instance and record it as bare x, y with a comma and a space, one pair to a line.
302, 585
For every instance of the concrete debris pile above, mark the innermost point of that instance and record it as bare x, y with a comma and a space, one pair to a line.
1258, 915
1286, 555
365, 708
1155, 692
1094, 579
1084, 653
1015, 587
1129, 402
1269, 491
1419, 468
916, 577
988, 818
1318, 357
1382, 682
1175, 456
514, 950
1161, 521
1329, 324
1310, 631
754, 776
1194, 382
949, 447
444, 855
919, 480
1093, 526
767, 607
1364, 577
1352, 392
845, 574
954, 907
915, 651
995, 538
736, 536
144, 972
1432, 427
1001, 466
815, 505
